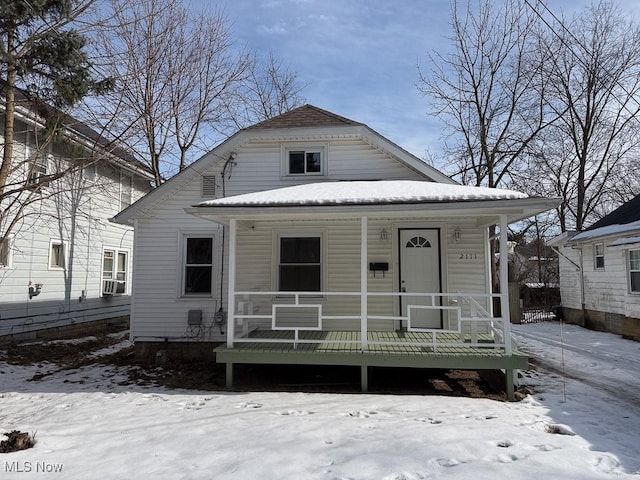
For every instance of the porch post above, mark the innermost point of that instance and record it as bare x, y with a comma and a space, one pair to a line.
363, 282
231, 303
504, 285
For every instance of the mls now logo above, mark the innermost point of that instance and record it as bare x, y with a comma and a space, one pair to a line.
26, 467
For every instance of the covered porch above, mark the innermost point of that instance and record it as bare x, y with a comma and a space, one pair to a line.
415, 261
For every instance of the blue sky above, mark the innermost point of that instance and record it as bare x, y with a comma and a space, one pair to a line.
359, 57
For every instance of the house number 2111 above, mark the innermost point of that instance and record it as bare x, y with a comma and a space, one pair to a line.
468, 256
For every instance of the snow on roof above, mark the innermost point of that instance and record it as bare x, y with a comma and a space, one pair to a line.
607, 230
625, 241
366, 192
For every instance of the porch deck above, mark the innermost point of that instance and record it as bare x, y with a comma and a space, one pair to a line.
385, 349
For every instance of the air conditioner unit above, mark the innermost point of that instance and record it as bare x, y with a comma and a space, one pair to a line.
113, 287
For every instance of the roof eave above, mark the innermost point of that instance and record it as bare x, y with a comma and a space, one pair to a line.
487, 211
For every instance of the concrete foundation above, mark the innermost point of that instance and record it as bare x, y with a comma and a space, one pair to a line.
627, 327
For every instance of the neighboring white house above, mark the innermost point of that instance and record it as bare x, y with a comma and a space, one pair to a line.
63, 263
359, 233
600, 273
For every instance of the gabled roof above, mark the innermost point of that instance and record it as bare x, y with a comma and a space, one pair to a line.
625, 213
624, 220
76, 130
300, 122
305, 116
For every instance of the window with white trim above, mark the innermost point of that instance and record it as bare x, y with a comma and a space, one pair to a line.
302, 160
56, 254
197, 275
39, 169
90, 172
634, 271
300, 263
5, 253
115, 267
598, 256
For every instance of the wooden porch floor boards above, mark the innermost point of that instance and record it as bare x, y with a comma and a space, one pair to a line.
396, 349
409, 349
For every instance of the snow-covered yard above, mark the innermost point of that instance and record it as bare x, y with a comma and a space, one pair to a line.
90, 424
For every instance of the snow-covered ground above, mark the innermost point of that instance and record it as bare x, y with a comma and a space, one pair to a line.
87, 425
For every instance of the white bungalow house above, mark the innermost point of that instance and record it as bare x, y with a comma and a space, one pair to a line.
310, 238
600, 273
62, 263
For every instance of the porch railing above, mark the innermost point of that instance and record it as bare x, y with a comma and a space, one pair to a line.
466, 318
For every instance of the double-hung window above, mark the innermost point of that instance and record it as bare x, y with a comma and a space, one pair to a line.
39, 169
198, 265
598, 256
5, 250
115, 266
634, 271
300, 263
56, 254
303, 160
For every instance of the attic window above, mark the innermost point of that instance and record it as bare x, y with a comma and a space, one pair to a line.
303, 160
208, 187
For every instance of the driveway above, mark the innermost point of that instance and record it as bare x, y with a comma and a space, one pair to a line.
601, 360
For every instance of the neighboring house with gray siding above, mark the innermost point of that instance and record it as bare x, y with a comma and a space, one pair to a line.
600, 272
64, 264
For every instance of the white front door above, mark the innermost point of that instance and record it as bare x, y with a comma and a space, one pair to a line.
420, 273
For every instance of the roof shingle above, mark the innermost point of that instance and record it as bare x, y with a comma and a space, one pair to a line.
305, 116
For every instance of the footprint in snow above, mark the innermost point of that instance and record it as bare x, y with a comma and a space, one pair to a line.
430, 420
249, 405
446, 462
405, 476
295, 412
545, 448
505, 444
359, 414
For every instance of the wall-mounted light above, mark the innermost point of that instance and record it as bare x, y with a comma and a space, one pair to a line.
457, 235
384, 235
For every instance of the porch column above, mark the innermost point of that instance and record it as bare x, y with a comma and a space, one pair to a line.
363, 282
504, 285
231, 302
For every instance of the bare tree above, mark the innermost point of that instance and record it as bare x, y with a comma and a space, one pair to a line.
268, 89
43, 63
182, 82
593, 64
486, 90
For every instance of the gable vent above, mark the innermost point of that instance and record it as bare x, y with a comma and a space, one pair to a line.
208, 186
